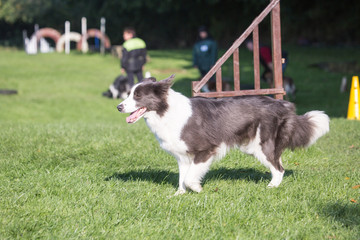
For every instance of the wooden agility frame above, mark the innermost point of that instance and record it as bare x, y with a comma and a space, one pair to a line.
278, 90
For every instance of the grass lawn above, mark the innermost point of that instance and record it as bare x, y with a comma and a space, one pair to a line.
72, 168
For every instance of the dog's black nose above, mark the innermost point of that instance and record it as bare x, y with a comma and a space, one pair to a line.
120, 107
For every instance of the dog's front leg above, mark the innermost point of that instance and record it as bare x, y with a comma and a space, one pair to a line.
184, 166
196, 173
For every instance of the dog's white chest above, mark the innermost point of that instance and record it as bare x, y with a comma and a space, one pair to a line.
168, 134
168, 128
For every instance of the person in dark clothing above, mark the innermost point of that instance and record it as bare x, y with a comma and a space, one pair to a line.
266, 60
204, 53
133, 55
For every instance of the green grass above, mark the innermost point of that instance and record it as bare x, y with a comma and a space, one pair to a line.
71, 168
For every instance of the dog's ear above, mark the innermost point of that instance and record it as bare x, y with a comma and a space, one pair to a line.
162, 87
149, 80
168, 81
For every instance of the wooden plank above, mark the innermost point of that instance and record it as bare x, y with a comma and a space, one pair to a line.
193, 84
236, 70
256, 57
235, 45
276, 46
218, 80
269, 91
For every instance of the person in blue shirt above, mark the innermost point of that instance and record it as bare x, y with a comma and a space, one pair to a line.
204, 54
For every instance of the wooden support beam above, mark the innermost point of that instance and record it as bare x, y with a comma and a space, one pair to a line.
218, 80
256, 57
236, 70
269, 91
276, 48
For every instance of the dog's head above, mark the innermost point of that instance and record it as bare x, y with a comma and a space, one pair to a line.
147, 96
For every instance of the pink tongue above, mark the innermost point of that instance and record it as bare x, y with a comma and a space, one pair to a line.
134, 116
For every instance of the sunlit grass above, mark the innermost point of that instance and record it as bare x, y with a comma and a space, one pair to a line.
71, 168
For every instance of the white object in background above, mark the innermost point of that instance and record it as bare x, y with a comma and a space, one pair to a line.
44, 46
102, 30
73, 36
343, 85
147, 74
31, 45
67, 37
84, 45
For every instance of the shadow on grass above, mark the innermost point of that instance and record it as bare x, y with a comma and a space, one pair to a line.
150, 175
248, 174
347, 214
168, 177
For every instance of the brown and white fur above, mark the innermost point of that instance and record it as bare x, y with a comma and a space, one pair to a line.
196, 131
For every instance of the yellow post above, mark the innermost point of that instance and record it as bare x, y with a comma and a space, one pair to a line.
354, 106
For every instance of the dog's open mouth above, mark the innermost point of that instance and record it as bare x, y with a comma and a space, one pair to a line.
136, 115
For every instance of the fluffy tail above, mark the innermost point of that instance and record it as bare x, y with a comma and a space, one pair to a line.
309, 128
320, 125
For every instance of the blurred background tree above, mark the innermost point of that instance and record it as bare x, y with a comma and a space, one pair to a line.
174, 23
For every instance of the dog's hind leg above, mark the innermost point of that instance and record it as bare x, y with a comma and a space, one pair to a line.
277, 171
196, 173
270, 156
266, 153
277, 176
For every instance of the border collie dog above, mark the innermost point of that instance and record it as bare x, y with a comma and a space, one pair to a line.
196, 131
119, 89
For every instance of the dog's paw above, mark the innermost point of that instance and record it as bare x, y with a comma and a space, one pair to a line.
180, 192
272, 185
195, 187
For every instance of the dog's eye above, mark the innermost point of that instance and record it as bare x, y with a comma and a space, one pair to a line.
137, 95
